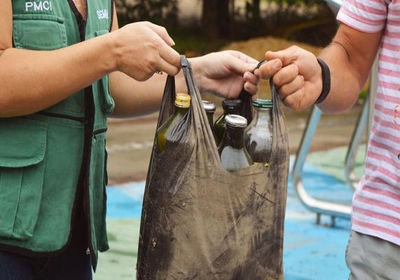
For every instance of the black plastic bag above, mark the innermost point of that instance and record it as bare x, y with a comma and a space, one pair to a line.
200, 221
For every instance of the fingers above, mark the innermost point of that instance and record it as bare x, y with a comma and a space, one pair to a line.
238, 62
295, 100
245, 58
292, 87
162, 32
169, 59
251, 78
250, 88
286, 56
167, 67
250, 83
269, 69
170, 56
286, 75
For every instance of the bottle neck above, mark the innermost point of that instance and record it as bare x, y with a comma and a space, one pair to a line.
234, 137
180, 110
262, 116
210, 117
232, 111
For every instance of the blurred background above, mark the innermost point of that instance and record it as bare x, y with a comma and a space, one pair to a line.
253, 27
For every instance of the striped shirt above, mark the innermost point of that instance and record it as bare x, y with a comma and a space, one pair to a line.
376, 202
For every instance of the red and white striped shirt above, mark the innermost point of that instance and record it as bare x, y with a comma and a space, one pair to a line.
376, 202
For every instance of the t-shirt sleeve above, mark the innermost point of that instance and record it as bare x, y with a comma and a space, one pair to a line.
364, 15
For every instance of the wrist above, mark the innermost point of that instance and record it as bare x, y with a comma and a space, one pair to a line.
113, 48
324, 82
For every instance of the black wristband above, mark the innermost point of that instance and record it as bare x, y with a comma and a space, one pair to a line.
326, 81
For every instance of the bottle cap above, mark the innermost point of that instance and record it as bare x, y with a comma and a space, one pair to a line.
230, 105
208, 106
236, 121
262, 103
182, 100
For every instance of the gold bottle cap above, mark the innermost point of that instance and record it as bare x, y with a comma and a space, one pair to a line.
182, 100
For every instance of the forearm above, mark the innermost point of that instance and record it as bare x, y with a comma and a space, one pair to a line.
34, 80
346, 82
134, 98
350, 57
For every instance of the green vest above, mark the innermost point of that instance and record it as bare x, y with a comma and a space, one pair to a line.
46, 157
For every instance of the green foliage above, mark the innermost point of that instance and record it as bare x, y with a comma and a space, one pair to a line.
162, 12
192, 42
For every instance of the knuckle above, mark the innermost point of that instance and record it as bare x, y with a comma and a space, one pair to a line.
284, 90
163, 30
150, 63
276, 80
295, 69
288, 102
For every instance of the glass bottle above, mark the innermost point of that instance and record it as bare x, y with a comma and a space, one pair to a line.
232, 150
182, 104
258, 135
209, 107
230, 106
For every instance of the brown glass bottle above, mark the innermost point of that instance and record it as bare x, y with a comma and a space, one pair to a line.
258, 135
232, 150
182, 104
230, 106
209, 107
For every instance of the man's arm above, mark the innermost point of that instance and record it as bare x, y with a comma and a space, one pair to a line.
298, 75
34, 80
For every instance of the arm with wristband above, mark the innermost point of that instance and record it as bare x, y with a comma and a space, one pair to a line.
333, 81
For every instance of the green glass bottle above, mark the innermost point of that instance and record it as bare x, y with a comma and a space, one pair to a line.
258, 135
230, 106
209, 107
232, 150
182, 104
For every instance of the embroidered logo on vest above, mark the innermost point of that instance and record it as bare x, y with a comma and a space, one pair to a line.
38, 6
102, 14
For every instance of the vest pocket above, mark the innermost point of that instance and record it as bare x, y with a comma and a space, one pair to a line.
97, 188
22, 151
108, 103
39, 32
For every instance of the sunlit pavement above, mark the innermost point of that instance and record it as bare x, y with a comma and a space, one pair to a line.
310, 251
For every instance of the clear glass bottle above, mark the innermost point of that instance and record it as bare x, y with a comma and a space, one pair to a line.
232, 150
258, 135
182, 104
209, 107
230, 106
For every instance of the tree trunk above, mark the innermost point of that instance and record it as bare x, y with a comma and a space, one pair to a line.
224, 19
256, 11
216, 18
210, 18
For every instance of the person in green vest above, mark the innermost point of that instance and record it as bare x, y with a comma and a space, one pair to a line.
64, 67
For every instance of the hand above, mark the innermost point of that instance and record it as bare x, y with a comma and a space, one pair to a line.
225, 73
143, 49
297, 75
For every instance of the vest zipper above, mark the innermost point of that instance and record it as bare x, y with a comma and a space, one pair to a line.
87, 149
